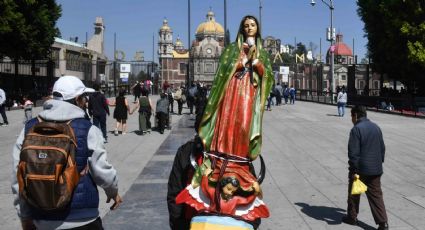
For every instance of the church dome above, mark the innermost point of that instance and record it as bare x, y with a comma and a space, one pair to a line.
341, 48
210, 26
179, 44
165, 26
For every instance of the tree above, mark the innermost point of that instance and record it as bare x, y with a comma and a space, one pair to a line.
301, 49
28, 28
396, 38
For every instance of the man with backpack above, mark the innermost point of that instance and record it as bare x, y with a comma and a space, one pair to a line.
61, 149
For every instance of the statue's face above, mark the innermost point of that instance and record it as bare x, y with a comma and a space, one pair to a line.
250, 27
228, 191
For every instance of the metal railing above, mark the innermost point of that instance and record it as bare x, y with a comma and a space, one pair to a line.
404, 104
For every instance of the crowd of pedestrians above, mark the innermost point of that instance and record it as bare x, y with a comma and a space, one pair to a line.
98, 107
278, 92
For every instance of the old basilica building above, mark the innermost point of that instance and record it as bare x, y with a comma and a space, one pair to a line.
204, 52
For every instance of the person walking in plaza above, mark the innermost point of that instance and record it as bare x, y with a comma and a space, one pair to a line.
286, 94
144, 106
200, 98
366, 154
27, 106
292, 94
3, 107
170, 95
279, 93
162, 112
191, 97
121, 111
98, 109
137, 88
91, 158
341, 101
165, 86
269, 102
178, 97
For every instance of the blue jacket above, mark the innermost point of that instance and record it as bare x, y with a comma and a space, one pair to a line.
366, 148
86, 196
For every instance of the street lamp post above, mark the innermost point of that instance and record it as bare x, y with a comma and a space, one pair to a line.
260, 8
225, 23
115, 64
188, 46
331, 39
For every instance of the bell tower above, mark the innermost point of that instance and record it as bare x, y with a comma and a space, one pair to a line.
165, 43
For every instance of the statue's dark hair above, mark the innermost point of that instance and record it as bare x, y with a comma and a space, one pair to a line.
241, 26
227, 180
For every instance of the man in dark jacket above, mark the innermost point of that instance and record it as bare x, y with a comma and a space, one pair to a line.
366, 153
98, 108
137, 90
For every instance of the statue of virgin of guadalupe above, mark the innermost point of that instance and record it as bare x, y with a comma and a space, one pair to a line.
231, 130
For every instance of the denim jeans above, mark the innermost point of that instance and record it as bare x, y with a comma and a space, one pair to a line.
341, 108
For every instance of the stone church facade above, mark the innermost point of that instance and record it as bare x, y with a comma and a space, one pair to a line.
204, 53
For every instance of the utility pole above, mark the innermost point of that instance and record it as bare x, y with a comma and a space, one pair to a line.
331, 39
115, 64
188, 45
261, 7
225, 22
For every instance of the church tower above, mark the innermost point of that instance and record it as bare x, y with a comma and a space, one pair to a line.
165, 43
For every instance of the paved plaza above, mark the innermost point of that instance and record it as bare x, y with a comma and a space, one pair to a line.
305, 150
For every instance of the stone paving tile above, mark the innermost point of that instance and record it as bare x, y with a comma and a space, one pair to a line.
156, 170
144, 208
145, 205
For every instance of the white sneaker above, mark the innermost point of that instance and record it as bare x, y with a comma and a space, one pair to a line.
116, 132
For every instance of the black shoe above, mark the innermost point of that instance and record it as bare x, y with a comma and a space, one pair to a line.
349, 220
383, 226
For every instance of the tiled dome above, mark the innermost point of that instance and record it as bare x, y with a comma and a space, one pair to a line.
210, 26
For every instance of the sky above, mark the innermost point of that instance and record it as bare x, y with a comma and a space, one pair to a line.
136, 23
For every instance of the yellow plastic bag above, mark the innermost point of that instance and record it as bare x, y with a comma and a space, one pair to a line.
358, 186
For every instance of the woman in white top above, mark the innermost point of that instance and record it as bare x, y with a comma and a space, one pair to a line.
341, 101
